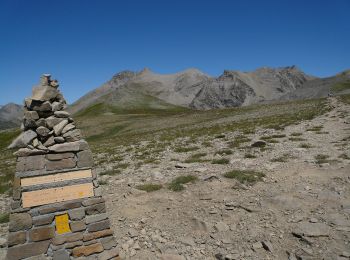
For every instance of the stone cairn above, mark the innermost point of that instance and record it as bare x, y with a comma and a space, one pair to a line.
57, 211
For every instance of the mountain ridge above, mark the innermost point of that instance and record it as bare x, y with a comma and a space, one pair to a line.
194, 89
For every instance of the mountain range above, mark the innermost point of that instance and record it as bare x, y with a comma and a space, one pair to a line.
128, 90
10, 115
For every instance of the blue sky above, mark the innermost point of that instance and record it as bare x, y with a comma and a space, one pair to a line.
83, 43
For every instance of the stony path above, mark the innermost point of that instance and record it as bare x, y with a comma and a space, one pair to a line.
300, 210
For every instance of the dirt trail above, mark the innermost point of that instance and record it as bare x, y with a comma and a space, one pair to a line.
300, 211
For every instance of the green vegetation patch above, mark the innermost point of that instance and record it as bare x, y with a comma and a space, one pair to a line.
245, 176
345, 98
249, 156
224, 152
296, 139
197, 157
341, 86
305, 145
344, 156
4, 217
296, 134
220, 161
185, 149
238, 141
315, 128
149, 187
322, 158
177, 183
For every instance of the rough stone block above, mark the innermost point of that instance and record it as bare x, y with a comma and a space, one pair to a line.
28, 152
33, 115
92, 201
15, 204
67, 238
98, 234
67, 128
44, 107
85, 159
50, 141
42, 131
41, 122
73, 135
76, 214
94, 241
43, 220
59, 207
30, 163
108, 242
61, 164
108, 254
56, 106
59, 139
16, 192
59, 127
29, 124
77, 226
20, 221
24, 139
98, 191
16, 238
44, 93
52, 121
95, 218
87, 250
63, 114
41, 233
61, 254
96, 209
73, 244
59, 156
83, 145
28, 250
102, 225
66, 147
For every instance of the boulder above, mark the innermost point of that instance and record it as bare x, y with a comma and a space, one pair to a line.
46, 106
72, 136
28, 152
44, 93
63, 114
59, 127
67, 128
56, 106
29, 123
68, 147
312, 229
20, 221
40, 122
33, 115
59, 139
52, 121
50, 141
23, 140
42, 131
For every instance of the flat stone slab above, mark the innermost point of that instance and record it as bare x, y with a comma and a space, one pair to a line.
312, 229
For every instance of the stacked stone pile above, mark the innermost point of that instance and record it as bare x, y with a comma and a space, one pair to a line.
54, 158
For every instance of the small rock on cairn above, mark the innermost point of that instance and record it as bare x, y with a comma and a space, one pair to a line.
57, 211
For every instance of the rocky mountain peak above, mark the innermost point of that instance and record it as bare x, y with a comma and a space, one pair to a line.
123, 76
